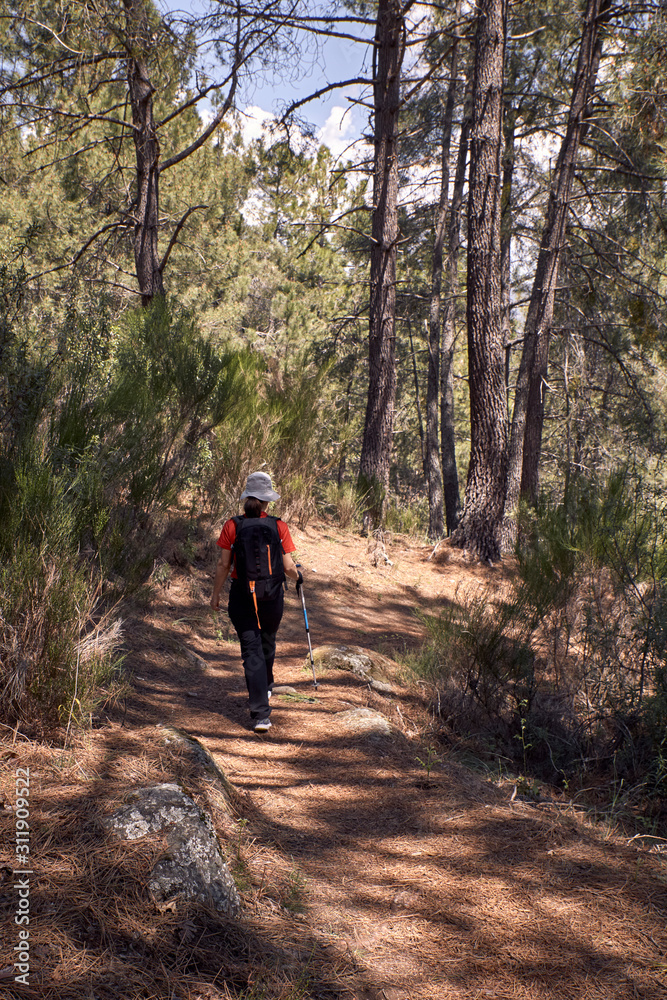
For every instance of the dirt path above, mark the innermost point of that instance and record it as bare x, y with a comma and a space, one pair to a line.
429, 889
371, 878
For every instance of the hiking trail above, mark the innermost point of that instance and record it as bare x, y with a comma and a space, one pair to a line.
371, 865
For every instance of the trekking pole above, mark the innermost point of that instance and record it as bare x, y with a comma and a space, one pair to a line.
299, 587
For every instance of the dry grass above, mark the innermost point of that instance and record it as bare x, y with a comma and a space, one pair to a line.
58, 648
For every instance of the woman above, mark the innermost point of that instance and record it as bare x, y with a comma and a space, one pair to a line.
255, 607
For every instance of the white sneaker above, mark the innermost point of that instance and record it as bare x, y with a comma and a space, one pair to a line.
262, 725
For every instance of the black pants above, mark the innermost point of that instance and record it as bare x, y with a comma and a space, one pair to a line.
258, 645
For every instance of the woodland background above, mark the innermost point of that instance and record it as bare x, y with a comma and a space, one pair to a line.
457, 329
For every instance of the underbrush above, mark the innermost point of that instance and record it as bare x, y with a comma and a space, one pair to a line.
59, 641
346, 504
564, 673
341, 503
104, 426
279, 431
406, 513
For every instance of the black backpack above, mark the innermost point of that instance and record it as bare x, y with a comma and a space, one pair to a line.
258, 556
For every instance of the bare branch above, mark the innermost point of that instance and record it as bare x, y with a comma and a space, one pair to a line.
50, 30
76, 116
58, 67
120, 224
324, 90
174, 237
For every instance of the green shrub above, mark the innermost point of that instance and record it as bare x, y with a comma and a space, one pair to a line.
102, 426
281, 433
407, 515
56, 644
342, 504
480, 650
568, 669
375, 501
171, 387
297, 502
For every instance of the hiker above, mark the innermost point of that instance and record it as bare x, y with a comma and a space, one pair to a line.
257, 548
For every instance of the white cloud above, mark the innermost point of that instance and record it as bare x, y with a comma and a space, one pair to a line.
206, 115
253, 209
339, 130
254, 123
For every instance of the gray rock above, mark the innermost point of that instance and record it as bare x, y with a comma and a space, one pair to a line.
365, 720
150, 810
221, 791
194, 659
193, 867
371, 667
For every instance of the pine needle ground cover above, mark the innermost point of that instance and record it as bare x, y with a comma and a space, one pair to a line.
364, 871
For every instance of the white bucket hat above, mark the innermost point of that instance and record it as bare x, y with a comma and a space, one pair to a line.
259, 486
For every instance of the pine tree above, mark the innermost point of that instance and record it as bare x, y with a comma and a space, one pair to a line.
528, 414
479, 528
378, 427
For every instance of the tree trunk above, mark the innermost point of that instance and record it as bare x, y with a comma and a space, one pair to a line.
509, 128
479, 529
528, 414
432, 468
418, 405
146, 205
379, 424
450, 475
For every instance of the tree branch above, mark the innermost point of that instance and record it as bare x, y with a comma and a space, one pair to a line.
324, 90
174, 237
120, 224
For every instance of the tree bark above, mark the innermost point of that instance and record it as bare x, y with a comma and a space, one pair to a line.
479, 529
528, 414
147, 149
379, 423
418, 405
509, 129
450, 475
432, 470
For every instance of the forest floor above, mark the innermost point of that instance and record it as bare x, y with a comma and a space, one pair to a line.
362, 875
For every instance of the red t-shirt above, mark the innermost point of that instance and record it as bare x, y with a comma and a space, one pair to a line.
228, 537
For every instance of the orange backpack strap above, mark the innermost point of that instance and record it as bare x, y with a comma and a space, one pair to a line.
251, 584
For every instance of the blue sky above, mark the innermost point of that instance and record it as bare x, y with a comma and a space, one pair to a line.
338, 122
338, 60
